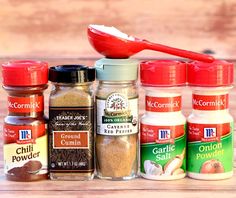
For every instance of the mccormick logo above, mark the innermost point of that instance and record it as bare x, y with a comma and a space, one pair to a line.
16, 105
25, 104
164, 134
25, 137
163, 104
25, 134
209, 132
161, 134
210, 135
202, 102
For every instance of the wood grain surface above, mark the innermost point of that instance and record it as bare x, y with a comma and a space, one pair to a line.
138, 187
57, 28
100, 188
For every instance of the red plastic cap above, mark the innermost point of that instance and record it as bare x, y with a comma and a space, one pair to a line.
163, 73
218, 73
24, 73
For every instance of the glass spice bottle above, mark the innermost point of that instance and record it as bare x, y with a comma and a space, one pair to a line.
25, 128
117, 119
71, 123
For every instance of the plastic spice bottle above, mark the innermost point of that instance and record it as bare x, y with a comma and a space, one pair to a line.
25, 129
117, 119
210, 126
162, 128
71, 123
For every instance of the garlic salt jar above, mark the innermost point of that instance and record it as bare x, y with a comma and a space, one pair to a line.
163, 138
117, 119
210, 126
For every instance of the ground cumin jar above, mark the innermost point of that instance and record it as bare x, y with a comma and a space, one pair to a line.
117, 119
162, 127
25, 129
210, 125
71, 123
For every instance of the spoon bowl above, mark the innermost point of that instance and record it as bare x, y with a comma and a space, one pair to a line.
112, 46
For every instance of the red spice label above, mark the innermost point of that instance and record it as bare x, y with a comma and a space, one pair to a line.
25, 104
23, 134
70, 139
161, 134
163, 104
207, 132
210, 103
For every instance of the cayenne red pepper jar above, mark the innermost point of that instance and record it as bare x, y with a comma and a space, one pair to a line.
210, 125
24, 130
162, 127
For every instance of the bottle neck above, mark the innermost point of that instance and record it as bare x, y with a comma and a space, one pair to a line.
210, 112
117, 83
85, 84
67, 86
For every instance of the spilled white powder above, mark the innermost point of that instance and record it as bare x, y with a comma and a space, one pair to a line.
112, 31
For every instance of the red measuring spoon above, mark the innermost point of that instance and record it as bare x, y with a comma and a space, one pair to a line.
112, 46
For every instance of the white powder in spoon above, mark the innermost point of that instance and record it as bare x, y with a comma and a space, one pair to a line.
112, 31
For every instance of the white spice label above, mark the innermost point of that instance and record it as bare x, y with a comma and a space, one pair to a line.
117, 115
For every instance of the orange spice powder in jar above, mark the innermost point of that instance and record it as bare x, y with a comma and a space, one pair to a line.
25, 127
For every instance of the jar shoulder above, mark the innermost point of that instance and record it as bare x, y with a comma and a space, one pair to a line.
129, 90
167, 119
71, 96
210, 117
22, 120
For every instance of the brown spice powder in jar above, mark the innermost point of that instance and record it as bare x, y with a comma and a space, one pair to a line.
71, 111
72, 97
117, 119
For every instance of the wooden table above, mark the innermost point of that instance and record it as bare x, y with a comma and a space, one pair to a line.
99, 188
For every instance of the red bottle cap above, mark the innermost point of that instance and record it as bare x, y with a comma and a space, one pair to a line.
218, 73
24, 73
163, 73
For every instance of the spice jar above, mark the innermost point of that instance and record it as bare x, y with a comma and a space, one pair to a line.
71, 123
25, 129
117, 119
210, 126
162, 127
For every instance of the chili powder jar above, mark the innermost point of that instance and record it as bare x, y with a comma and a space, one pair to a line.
25, 128
117, 119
